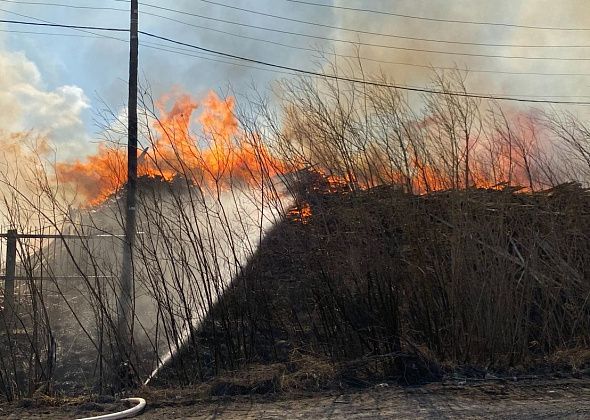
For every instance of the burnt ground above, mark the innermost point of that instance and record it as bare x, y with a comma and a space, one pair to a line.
533, 398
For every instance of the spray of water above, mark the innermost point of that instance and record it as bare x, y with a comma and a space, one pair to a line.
262, 218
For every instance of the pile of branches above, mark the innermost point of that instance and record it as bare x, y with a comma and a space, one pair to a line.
496, 278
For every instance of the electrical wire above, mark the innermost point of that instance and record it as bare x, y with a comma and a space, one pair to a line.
431, 19
388, 35
156, 46
70, 6
389, 62
360, 81
215, 60
294, 69
61, 25
368, 44
380, 33
14, 31
211, 56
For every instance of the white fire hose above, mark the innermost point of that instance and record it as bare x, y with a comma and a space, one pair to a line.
130, 412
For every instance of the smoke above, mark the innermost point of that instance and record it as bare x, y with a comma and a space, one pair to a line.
38, 124
541, 13
44, 86
26, 104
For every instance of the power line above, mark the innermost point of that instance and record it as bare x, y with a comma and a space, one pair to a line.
292, 73
366, 82
317, 24
357, 31
337, 40
185, 52
60, 25
332, 39
431, 19
153, 46
389, 35
281, 44
286, 19
14, 31
181, 52
78, 28
397, 63
369, 44
173, 51
70, 6
294, 69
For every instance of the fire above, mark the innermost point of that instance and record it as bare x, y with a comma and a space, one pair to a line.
512, 154
202, 141
216, 155
98, 176
301, 213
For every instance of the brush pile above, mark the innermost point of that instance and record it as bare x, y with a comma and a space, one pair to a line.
381, 284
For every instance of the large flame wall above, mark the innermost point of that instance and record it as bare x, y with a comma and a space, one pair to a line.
200, 141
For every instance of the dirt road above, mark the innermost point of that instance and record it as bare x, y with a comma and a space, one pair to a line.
559, 399
556, 399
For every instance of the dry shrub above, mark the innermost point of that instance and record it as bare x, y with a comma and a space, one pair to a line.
576, 360
382, 284
254, 379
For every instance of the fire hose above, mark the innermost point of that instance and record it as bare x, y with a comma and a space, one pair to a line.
130, 412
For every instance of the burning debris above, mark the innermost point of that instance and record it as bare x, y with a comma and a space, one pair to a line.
217, 155
300, 214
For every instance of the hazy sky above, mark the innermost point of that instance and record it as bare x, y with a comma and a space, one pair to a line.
56, 84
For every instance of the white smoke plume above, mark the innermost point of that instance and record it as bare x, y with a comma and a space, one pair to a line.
27, 104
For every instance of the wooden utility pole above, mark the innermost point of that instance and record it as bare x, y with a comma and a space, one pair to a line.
125, 299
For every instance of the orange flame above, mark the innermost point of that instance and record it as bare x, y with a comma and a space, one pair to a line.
301, 213
216, 155
511, 155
